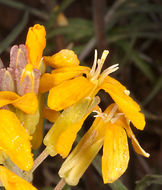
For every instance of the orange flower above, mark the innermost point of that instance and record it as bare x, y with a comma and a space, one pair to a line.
13, 182
36, 43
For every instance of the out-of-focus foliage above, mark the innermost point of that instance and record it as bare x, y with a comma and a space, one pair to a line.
134, 36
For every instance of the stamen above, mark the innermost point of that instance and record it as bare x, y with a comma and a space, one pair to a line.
100, 63
94, 64
104, 55
107, 71
100, 114
127, 92
114, 119
111, 114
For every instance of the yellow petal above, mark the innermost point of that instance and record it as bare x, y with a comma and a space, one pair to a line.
37, 137
6, 97
80, 158
67, 137
50, 115
70, 120
28, 103
63, 58
13, 182
36, 43
69, 93
14, 140
29, 121
126, 104
46, 82
115, 153
135, 142
60, 75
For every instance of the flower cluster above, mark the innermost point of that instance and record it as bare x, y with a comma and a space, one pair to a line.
72, 96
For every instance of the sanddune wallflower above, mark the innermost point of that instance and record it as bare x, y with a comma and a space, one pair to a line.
70, 91
13, 182
108, 130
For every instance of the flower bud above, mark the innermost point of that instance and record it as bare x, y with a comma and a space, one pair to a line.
63, 58
7, 80
18, 56
27, 79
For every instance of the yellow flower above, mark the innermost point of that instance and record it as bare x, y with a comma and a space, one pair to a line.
36, 43
14, 140
62, 134
73, 91
67, 68
108, 130
13, 182
68, 92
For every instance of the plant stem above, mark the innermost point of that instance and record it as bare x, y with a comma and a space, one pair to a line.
60, 185
40, 159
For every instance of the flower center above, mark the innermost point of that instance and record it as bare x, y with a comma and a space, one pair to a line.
94, 74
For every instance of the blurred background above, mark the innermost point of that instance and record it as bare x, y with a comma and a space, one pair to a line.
132, 31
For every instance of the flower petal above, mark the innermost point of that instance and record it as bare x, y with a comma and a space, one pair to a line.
115, 153
70, 120
36, 43
50, 115
68, 93
60, 75
37, 137
126, 104
14, 140
11, 181
135, 142
67, 137
80, 158
63, 58
6, 97
28, 103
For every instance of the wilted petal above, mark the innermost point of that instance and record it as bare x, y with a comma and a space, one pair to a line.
63, 58
36, 43
71, 119
80, 158
135, 142
126, 104
69, 92
115, 153
29, 121
14, 140
13, 182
